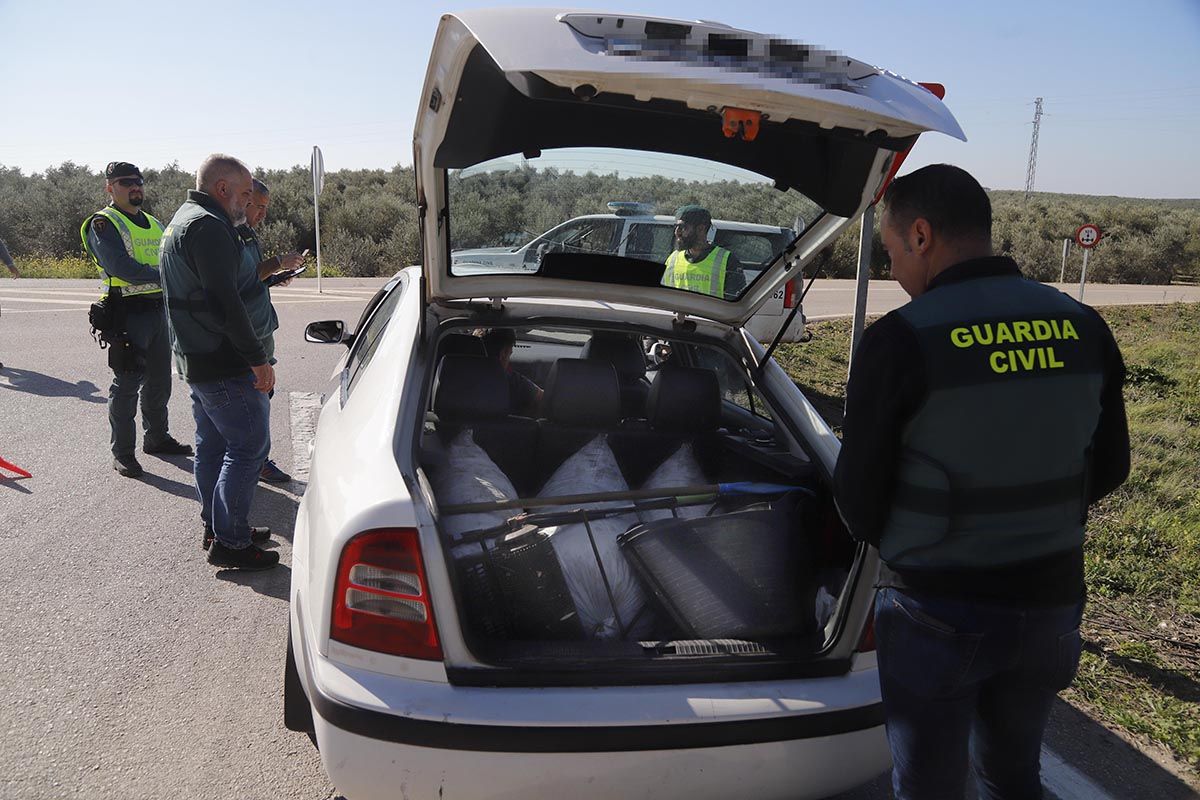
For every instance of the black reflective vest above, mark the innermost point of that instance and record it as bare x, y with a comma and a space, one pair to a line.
993, 465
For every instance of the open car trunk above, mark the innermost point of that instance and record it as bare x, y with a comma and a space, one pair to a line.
637, 525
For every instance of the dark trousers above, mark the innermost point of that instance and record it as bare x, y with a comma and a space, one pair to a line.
148, 333
966, 680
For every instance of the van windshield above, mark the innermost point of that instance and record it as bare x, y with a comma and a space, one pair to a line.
692, 224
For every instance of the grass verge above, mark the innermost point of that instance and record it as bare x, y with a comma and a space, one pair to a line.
1140, 669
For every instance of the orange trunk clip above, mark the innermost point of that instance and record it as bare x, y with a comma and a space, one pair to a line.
741, 123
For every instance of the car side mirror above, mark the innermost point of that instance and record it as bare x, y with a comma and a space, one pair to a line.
330, 331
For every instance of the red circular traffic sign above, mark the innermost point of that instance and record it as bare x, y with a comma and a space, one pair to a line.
1087, 235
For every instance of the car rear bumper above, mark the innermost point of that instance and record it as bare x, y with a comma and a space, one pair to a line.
364, 768
378, 732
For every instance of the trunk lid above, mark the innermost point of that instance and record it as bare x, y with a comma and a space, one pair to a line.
555, 104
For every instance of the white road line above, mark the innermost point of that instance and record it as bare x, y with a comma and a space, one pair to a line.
8, 299
281, 302
8, 311
305, 407
52, 292
361, 293
1068, 783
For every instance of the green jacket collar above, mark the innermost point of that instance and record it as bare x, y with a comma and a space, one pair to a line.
975, 268
208, 202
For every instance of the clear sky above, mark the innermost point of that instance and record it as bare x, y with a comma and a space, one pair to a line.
155, 83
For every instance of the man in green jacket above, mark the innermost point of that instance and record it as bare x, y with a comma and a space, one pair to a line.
699, 265
123, 242
262, 312
222, 358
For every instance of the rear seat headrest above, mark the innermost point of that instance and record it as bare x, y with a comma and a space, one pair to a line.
461, 344
582, 394
621, 350
469, 388
684, 400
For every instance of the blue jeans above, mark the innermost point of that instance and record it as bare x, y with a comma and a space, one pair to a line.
965, 679
148, 333
232, 439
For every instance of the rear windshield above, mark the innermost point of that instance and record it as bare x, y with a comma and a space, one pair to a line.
694, 225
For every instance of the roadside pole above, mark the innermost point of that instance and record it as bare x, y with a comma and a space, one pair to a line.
318, 176
1062, 273
1083, 274
1086, 237
863, 278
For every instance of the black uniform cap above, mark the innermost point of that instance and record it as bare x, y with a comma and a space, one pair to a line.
693, 215
121, 169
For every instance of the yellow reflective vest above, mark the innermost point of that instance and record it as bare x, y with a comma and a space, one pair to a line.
706, 276
141, 244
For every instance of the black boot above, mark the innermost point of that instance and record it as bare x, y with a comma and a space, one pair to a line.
251, 558
127, 466
167, 447
257, 536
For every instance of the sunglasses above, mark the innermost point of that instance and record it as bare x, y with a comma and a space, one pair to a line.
128, 182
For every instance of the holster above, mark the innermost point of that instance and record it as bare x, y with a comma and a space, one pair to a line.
107, 318
123, 356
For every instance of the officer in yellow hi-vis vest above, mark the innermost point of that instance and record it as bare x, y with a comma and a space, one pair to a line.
123, 242
698, 265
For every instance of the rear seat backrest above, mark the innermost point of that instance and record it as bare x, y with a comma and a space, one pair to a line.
469, 389
460, 344
684, 400
472, 392
582, 394
582, 400
684, 405
625, 353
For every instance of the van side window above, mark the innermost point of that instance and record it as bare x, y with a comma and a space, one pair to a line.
754, 250
650, 241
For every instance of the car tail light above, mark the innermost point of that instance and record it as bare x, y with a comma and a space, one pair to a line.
381, 596
866, 642
791, 293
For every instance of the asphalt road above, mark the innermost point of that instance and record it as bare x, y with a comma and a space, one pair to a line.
131, 668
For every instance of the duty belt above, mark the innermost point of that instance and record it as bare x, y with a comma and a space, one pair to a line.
138, 303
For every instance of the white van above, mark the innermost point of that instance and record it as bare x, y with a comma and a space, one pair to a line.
633, 230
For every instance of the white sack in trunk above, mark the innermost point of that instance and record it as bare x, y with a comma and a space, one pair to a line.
594, 469
681, 469
470, 476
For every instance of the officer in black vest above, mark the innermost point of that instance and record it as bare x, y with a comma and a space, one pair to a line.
982, 418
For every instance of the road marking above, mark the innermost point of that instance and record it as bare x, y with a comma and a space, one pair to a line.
305, 408
53, 292
7, 311
48, 301
325, 299
315, 293
1066, 782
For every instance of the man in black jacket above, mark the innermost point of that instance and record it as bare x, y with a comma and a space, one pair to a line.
221, 356
982, 419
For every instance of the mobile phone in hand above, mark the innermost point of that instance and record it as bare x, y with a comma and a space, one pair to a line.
280, 277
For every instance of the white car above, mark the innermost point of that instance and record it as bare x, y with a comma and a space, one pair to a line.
633, 229
633, 582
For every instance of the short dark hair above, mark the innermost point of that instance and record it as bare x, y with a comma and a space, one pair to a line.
259, 187
953, 202
497, 339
